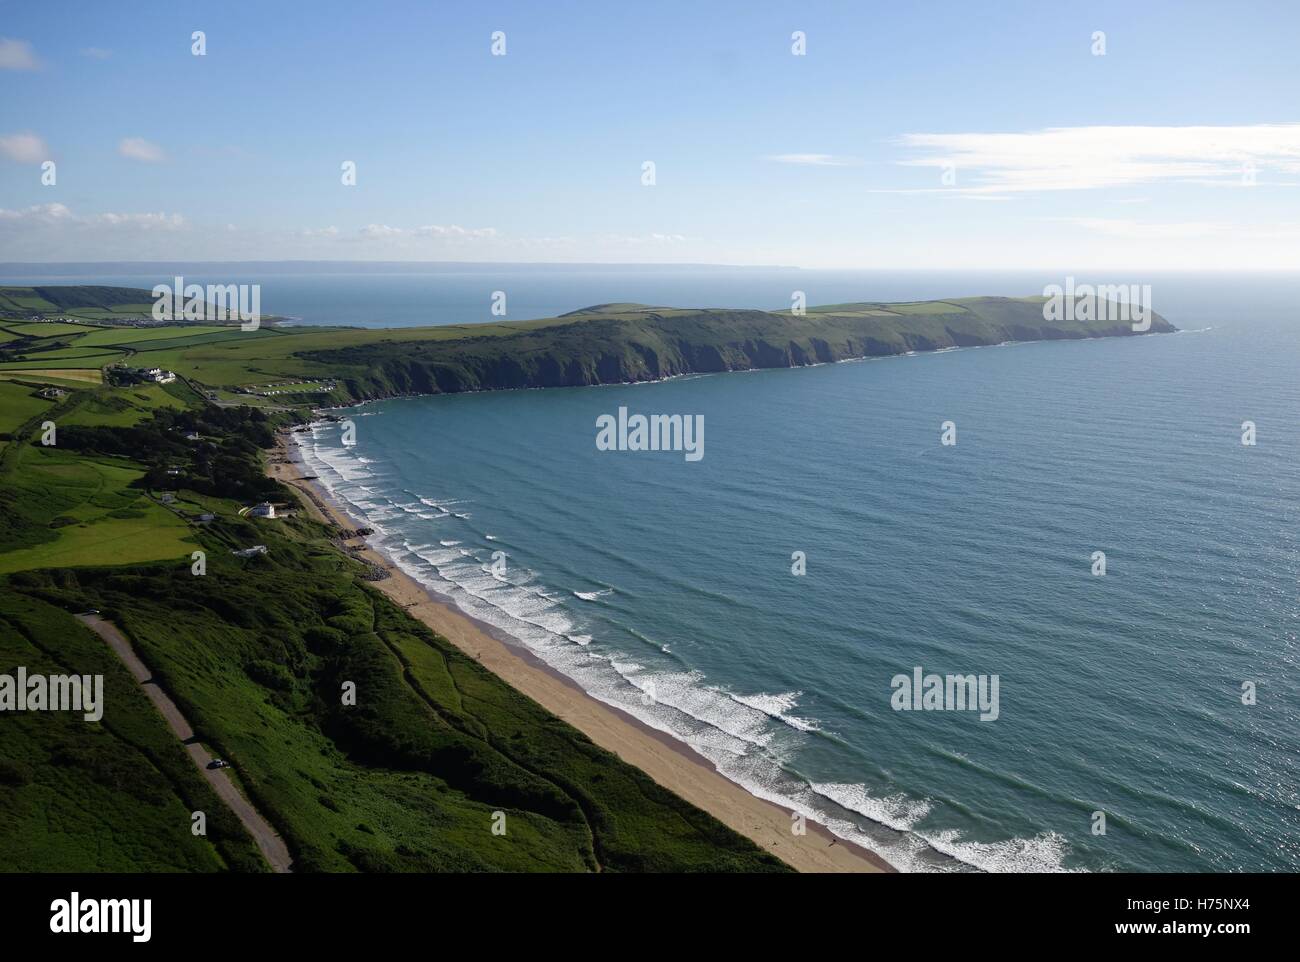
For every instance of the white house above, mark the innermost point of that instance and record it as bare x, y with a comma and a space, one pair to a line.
264, 510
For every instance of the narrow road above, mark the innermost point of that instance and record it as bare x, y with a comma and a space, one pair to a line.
272, 846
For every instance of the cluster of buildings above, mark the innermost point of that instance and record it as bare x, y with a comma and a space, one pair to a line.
136, 374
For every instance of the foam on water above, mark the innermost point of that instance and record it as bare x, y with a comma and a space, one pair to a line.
747, 738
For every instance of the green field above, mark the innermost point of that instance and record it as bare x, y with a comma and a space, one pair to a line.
606, 343
92, 514
254, 651
19, 404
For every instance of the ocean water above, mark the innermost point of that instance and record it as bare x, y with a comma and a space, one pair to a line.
643, 574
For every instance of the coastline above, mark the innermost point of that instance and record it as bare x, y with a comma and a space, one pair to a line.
670, 763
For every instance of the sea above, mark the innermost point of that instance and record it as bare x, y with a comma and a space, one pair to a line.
1113, 540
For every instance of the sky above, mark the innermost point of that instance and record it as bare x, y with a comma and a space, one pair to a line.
927, 135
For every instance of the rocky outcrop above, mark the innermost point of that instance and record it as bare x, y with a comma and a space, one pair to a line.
636, 343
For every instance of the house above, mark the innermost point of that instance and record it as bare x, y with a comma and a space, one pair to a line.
264, 510
51, 392
168, 498
157, 375
205, 518
250, 552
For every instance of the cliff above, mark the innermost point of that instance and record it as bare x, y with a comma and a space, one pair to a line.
627, 342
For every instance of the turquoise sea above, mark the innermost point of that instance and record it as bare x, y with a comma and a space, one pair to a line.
643, 573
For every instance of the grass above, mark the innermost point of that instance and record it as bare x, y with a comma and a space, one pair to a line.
112, 796
77, 375
125, 407
19, 404
44, 329
87, 513
255, 652
601, 344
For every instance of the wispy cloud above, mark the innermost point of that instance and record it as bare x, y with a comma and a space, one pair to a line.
137, 148
814, 160
382, 231
96, 53
61, 216
1091, 158
17, 55
25, 148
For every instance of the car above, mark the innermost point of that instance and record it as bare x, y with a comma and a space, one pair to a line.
218, 763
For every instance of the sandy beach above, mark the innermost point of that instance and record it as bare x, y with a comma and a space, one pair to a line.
668, 762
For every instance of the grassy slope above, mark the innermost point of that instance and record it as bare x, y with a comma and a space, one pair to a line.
255, 653
601, 344
59, 508
116, 796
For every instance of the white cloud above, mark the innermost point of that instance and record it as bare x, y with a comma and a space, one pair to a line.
26, 148
379, 231
1090, 158
55, 232
814, 160
634, 240
59, 215
330, 231
39, 214
383, 231
137, 148
17, 55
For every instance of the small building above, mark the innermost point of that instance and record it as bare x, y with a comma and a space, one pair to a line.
205, 518
168, 498
264, 510
193, 436
51, 392
250, 552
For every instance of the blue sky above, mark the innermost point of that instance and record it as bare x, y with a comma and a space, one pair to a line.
1179, 148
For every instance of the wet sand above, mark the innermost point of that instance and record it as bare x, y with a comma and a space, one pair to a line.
670, 763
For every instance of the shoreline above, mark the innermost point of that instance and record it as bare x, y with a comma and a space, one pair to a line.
663, 758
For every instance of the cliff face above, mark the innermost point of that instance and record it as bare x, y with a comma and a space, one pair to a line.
633, 343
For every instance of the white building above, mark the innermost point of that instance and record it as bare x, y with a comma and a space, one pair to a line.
264, 510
